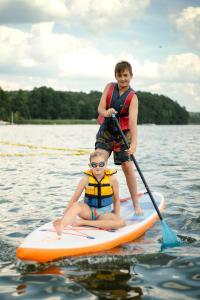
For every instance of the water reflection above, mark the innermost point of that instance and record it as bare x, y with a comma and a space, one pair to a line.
112, 284
51, 282
81, 284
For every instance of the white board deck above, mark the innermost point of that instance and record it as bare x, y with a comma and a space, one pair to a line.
44, 245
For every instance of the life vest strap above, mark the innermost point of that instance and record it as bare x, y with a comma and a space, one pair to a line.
108, 100
109, 95
98, 184
102, 197
107, 172
127, 104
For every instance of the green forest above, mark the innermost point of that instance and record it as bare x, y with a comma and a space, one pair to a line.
45, 103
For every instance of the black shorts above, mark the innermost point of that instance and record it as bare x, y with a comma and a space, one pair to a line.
113, 143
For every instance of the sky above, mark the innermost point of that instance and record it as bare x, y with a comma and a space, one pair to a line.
75, 44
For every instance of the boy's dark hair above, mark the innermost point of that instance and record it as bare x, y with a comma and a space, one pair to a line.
121, 66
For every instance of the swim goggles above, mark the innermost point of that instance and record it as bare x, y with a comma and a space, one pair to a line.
100, 164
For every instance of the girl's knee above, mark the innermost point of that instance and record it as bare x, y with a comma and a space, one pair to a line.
77, 206
119, 223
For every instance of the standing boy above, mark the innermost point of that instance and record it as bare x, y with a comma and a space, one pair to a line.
120, 99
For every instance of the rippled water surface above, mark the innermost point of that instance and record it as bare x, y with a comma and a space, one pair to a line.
39, 168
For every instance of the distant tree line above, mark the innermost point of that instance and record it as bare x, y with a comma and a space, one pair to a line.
160, 109
46, 103
194, 117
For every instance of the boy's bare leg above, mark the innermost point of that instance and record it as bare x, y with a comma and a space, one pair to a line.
127, 168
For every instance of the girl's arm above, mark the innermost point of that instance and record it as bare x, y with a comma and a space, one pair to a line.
102, 105
133, 115
80, 187
115, 185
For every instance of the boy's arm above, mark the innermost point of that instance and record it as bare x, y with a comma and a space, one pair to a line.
80, 187
102, 105
115, 185
133, 115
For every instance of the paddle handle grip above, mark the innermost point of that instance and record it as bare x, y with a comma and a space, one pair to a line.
138, 168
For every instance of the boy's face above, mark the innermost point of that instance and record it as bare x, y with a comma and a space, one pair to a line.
98, 165
123, 78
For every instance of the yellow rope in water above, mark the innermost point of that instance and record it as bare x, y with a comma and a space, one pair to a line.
42, 147
23, 154
78, 153
70, 151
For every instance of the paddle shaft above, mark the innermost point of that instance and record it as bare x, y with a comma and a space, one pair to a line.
138, 168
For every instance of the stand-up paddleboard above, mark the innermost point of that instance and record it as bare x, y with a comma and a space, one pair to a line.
43, 244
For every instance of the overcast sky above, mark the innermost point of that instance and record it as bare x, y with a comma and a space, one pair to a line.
75, 44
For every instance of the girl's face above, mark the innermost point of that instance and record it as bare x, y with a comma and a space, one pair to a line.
98, 165
123, 79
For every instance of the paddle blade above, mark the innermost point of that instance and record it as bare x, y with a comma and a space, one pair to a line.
169, 237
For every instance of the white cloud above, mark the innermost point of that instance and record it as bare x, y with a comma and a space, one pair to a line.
86, 62
106, 15
181, 67
42, 29
44, 52
93, 15
43, 57
188, 22
23, 11
13, 46
9, 84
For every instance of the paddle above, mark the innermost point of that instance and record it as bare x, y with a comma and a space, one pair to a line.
169, 237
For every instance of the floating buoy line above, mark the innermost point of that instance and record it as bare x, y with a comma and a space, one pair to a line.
59, 150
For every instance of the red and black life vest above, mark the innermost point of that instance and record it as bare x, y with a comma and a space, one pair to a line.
123, 110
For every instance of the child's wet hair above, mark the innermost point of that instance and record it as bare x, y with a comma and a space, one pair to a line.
97, 154
122, 66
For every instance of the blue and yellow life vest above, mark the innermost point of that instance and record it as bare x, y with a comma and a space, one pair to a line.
99, 193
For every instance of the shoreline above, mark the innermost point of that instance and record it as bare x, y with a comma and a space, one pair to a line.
74, 122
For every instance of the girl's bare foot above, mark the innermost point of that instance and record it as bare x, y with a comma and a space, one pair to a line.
58, 226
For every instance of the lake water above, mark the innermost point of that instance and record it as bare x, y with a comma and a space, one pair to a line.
39, 169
